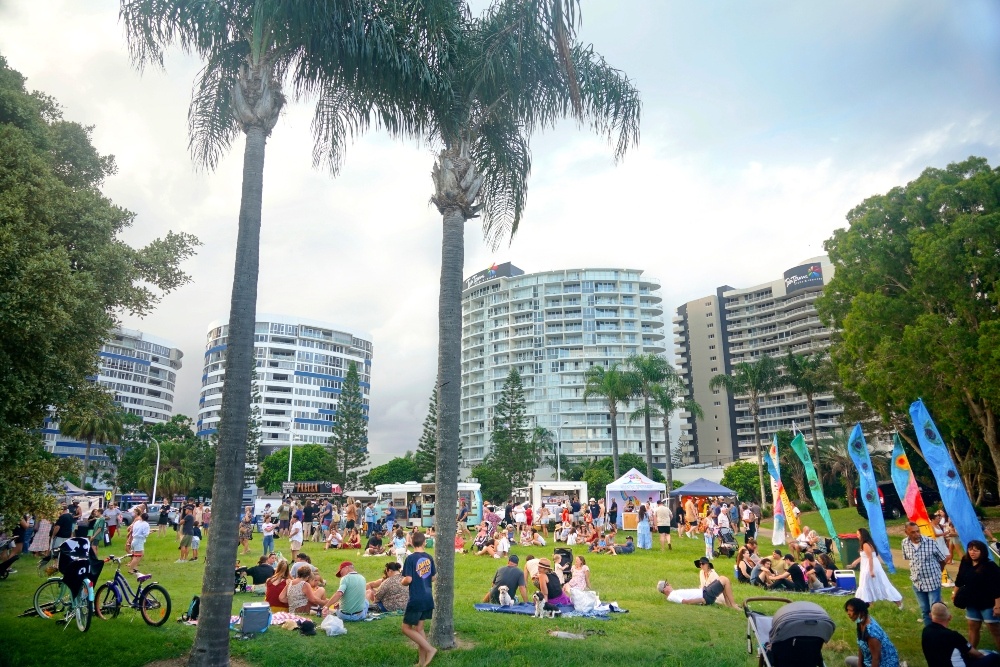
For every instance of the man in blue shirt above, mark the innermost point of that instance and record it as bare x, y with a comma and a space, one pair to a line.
418, 576
369, 519
390, 519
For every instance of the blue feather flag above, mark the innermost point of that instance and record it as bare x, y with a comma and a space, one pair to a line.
858, 449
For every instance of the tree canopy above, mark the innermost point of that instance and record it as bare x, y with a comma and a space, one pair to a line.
349, 442
395, 471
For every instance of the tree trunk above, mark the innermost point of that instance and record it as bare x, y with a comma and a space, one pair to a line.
86, 462
668, 469
760, 455
614, 442
815, 437
211, 644
449, 403
649, 439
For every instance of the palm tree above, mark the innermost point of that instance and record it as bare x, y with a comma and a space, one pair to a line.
93, 417
648, 370
808, 374
668, 397
364, 70
511, 72
755, 380
616, 387
839, 465
176, 472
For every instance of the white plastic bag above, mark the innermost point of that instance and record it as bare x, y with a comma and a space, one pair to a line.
584, 601
333, 625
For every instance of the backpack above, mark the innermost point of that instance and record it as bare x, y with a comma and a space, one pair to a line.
194, 609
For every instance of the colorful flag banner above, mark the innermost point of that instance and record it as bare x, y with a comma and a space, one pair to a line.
815, 488
778, 532
908, 490
858, 449
954, 497
791, 521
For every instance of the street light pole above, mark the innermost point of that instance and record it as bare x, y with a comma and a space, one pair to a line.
156, 473
290, 439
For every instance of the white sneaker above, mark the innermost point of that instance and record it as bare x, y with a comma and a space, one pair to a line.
180, 560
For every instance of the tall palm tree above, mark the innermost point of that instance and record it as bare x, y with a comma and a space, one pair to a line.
616, 387
808, 373
755, 380
176, 472
364, 70
511, 72
93, 418
648, 370
666, 398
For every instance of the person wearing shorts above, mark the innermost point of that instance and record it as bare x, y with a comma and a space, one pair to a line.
283, 514
140, 531
418, 575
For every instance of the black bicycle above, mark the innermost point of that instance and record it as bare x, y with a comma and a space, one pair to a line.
151, 601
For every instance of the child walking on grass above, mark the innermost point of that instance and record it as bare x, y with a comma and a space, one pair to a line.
418, 575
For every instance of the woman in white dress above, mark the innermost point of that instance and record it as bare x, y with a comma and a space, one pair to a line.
873, 584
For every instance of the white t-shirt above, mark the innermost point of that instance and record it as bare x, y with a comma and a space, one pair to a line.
267, 529
295, 534
723, 520
682, 594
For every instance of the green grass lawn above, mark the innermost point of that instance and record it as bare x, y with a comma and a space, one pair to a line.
654, 632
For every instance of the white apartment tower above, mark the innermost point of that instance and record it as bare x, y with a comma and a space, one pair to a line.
301, 364
715, 333
552, 326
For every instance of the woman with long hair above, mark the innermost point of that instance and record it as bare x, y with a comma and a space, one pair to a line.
977, 590
275, 585
874, 647
645, 538
873, 584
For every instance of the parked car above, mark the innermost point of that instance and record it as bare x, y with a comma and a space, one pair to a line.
892, 506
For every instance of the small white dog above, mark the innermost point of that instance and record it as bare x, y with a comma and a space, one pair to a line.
505, 599
542, 608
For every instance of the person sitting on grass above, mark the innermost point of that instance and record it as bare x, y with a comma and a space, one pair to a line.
300, 560
374, 546
459, 543
388, 593
713, 584
275, 585
536, 539
304, 591
352, 541
744, 566
511, 576
550, 584
502, 544
816, 576
627, 548
489, 549
940, 643
260, 572
525, 540
793, 578
353, 605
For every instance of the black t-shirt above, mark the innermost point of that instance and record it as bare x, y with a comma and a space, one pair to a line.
575, 507
65, 525
939, 643
259, 573
554, 585
510, 576
820, 573
374, 541
308, 513
187, 525
798, 577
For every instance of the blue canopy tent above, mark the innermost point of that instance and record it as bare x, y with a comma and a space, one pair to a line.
702, 487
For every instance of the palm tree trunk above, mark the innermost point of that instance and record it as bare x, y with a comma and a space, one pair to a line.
86, 462
614, 442
649, 439
211, 643
449, 399
815, 436
760, 457
668, 470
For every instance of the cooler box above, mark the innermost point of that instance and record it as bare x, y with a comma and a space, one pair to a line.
847, 580
255, 617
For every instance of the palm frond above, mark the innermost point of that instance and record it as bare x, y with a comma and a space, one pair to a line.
611, 103
197, 26
503, 157
212, 121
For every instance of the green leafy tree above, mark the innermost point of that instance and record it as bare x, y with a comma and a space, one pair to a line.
667, 397
648, 371
839, 468
810, 374
310, 463
755, 380
914, 300
397, 470
514, 452
597, 479
349, 442
627, 461
176, 472
543, 444
741, 477
615, 386
92, 416
510, 72
493, 483
125, 458
426, 455
363, 69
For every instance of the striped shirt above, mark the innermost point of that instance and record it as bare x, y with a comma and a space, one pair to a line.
925, 563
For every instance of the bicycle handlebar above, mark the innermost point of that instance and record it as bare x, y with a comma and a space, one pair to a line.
117, 559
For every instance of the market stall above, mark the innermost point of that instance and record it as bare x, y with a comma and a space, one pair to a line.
629, 491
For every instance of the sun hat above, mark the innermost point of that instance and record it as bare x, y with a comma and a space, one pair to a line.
544, 562
703, 561
345, 564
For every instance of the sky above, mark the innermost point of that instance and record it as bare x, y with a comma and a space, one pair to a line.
763, 125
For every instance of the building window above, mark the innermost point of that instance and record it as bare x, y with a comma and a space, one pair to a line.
712, 358
715, 391
711, 347
715, 369
711, 336
717, 403
708, 314
711, 325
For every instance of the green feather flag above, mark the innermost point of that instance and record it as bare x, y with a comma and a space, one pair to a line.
815, 487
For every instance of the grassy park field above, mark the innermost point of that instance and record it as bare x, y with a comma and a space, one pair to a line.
653, 632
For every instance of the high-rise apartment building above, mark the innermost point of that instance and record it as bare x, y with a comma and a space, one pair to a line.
301, 364
141, 371
552, 326
715, 333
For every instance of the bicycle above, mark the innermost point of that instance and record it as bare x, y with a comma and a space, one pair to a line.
151, 601
54, 597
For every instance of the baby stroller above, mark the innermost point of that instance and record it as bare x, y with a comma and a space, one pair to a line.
563, 562
728, 546
793, 637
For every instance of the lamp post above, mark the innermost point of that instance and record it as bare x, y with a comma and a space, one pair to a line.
156, 472
290, 440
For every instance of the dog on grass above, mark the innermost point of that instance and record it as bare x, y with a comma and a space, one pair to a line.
542, 608
505, 599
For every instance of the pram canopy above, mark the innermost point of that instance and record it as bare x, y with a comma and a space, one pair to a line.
74, 562
801, 619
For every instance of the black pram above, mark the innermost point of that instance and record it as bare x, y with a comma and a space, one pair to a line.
77, 562
793, 637
728, 546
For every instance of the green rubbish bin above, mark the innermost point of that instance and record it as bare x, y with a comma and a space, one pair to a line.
850, 548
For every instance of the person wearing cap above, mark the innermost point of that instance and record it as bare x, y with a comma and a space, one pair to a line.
713, 585
350, 595
550, 584
511, 576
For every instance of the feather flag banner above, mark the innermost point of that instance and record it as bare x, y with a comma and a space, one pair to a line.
791, 521
909, 492
778, 532
868, 487
954, 497
815, 488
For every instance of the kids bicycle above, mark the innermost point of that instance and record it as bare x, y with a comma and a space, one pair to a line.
151, 601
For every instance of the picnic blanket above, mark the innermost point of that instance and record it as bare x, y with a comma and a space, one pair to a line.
277, 618
832, 590
375, 616
603, 612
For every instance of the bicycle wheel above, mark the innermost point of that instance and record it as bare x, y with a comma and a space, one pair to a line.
82, 610
52, 598
154, 605
106, 602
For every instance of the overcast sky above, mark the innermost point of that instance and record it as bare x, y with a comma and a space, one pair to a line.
763, 124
